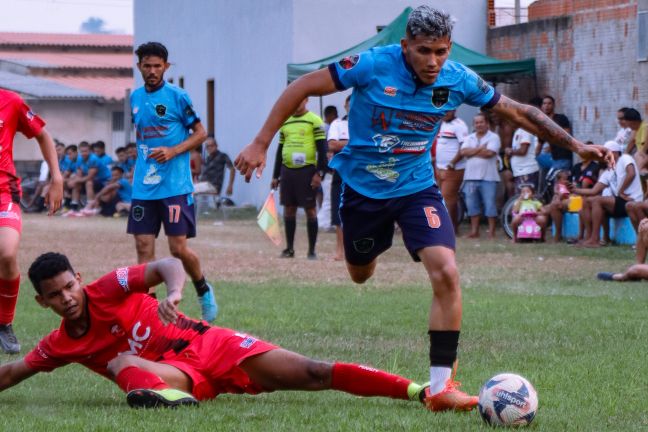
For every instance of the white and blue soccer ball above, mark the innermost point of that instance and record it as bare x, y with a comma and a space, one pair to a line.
508, 400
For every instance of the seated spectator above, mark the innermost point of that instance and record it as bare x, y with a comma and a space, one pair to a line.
114, 199
131, 153
625, 187
195, 163
527, 205
99, 149
481, 177
559, 202
639, 270
213, 172
91, 175
589, 195
523, 162
68, 168
37, 202
122, 159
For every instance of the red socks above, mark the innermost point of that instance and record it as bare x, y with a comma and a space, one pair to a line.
133, 378
8, 299
365, 381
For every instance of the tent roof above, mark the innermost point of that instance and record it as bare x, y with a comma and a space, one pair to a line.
490, 68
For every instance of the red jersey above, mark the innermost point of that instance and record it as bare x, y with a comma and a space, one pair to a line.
15, 116
123, 320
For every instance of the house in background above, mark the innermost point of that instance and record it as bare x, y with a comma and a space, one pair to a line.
76, 82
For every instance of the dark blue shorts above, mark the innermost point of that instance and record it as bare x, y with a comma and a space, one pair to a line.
177, 213
368, 224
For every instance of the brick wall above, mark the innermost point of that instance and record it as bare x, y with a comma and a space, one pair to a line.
585, 53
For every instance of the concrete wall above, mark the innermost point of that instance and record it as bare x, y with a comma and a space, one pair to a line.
69, 122
586, 60
246, 45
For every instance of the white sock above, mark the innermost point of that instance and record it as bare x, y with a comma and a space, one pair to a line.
438, 377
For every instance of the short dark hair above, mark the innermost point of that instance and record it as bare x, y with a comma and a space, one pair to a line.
71, 147
152, 49
120, 150
99, 144
536, 102
131, 145
549, 97
84, 144
47, 266
59, 144
623, 109
117, 168
631, 114
331, 109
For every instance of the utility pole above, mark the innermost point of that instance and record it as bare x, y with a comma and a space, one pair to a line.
517, 12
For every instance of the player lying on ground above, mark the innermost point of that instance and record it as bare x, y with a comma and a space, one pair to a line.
161, 357
400, 94
638, 271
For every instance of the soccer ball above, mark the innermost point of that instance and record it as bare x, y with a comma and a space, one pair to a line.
508, 400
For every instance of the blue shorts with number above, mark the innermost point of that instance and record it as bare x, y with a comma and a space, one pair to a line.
177, 213
368, 224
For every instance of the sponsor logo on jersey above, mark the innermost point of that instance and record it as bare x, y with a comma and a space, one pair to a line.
136, 338
122, 278
30, 115
391, 91
160, 110
349, 61
189, 111
384, 170
248, 342
417, 121
395, 144
135, 110
440, 96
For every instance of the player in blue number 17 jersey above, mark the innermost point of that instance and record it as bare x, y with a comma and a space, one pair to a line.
400, 94
162, 188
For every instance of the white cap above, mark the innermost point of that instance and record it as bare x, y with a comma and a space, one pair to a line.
613, 146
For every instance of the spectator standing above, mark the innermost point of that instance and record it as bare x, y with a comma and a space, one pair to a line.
213, 171
449, 164
330, 115
561, 157
624, 134
18, 117
300, 166
523, 162
637, 145
163, 116
338, 138
481, 177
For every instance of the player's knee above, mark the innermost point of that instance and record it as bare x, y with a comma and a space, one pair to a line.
445, 278
318, 372
119, 363
360, 275
177, 251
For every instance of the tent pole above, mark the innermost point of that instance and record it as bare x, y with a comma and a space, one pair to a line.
321, 107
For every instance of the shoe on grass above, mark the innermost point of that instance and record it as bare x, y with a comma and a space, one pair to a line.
208, 304
8, 340
287, 253
449, 399
164, 398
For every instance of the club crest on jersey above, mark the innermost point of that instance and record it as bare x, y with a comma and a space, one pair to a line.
29, 115
160, 110
349, 61
440, 96
391, 91
138, 213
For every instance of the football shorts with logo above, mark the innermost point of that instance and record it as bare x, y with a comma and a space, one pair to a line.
10, 213
176, 213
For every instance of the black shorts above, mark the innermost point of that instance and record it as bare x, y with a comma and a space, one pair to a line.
177, 213
619, 208
336, 190
368, 224
295, 187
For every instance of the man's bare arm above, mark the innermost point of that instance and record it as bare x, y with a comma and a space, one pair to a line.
171, 272
337, 145
13, 373
55, 193
535, 121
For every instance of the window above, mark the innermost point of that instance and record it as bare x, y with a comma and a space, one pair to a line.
642, 36
117, 121
210, 106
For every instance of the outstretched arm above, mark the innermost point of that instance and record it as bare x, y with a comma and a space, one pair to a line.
253, 156
171, 272
535, 121
13, 373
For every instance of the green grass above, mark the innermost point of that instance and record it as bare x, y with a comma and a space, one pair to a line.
582, 343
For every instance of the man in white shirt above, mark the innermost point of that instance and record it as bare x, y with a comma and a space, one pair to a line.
625, 186
481, 177
523, 162
337, 138
624, 133
449, 164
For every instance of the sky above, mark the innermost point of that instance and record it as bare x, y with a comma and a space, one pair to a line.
64, 16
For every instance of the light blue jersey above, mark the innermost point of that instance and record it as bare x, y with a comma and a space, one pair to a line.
393, 121
125, 191
103, 172
162, 118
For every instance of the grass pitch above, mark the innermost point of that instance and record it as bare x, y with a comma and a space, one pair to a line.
536, 310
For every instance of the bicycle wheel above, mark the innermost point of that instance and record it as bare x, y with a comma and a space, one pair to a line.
507, 215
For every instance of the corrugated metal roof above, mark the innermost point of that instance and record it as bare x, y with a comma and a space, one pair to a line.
69, 59
112, 88
66, 39
42, 88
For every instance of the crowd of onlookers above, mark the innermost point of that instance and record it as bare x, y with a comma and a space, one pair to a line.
482, 170
97, 184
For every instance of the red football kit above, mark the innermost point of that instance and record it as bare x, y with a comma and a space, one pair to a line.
124, 320
15, 116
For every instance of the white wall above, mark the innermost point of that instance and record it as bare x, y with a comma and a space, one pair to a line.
70, 122
245, 46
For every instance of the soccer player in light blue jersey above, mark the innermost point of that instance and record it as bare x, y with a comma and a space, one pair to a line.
162, 187
400, 94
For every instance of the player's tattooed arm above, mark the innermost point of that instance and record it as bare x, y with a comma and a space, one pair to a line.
535, 121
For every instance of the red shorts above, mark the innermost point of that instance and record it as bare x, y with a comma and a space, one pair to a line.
10, 215
212, 362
